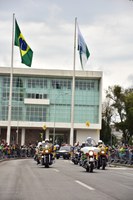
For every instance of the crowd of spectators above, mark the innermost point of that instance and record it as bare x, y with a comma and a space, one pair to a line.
16, 151
122, 154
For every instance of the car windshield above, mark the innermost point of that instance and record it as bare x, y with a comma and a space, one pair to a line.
67, 148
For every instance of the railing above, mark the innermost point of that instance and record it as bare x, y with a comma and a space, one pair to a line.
16, 153
117, 156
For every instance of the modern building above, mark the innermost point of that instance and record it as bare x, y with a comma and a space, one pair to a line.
41, 105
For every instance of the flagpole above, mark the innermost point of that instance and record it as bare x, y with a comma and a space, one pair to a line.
11, 85
73, 89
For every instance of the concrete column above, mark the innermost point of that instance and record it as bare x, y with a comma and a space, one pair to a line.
0, 135
23, 136
71, 136
47, 134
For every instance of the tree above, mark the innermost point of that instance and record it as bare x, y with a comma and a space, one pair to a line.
129, 112
107, 113
122, 102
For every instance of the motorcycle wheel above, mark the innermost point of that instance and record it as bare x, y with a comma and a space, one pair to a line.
98, 165
91, 167
75, 162
103, 165
47, 162
46, 165
87, 169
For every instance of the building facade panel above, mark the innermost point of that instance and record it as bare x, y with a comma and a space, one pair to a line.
45, 97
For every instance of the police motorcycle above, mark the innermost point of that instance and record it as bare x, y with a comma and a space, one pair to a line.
76, 154
102, 155
47, 157
44, 153
89, 155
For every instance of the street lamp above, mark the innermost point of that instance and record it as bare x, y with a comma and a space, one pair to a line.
44, 128
17, 132
55, 113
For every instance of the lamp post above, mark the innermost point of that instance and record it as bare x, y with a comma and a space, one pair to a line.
44, 128
111, 135
55, 113
54, 122
17, 132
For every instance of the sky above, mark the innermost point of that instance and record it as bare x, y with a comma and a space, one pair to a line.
48, 27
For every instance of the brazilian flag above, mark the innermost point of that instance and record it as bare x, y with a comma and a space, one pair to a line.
25, 51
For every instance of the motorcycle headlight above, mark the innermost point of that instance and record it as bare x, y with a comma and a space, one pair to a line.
46, 151
91, 153
102, 152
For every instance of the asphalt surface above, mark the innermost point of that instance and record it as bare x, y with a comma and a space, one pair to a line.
25, 180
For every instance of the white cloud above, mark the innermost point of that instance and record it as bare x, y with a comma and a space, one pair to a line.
48, 27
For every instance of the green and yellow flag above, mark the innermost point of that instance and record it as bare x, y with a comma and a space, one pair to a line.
25, 51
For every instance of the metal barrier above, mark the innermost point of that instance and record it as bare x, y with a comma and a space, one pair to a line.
16, 153
117, 156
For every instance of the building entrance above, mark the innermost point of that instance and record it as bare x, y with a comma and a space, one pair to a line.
60, 137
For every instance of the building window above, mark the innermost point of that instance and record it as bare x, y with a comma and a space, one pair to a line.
85, 85
37, 83
6, 82
36, 96
56, 84
61, 84
35, 113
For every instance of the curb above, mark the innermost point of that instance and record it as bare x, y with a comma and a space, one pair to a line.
120, 165
7, 159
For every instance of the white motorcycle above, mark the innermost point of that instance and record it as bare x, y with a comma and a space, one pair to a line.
89, 158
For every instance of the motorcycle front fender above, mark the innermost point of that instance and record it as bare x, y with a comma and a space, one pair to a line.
91, 159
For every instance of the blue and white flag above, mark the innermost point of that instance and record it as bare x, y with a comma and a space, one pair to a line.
83, 49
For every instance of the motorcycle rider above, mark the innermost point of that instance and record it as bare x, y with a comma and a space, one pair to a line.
88, 141
100, 142
51, 146
103, 147
38, 153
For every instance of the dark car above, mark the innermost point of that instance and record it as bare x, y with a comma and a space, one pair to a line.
64, 152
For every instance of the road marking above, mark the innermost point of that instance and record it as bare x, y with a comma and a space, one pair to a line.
66, 160
56, 170
84, 185
123, 168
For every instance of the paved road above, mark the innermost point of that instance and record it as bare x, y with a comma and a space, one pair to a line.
24, 180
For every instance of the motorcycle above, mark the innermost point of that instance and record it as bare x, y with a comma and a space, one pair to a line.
47, 157
102, 159
89, 159
76, 156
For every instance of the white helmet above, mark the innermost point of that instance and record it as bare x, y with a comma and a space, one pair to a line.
89, 139
100, 142
46, 140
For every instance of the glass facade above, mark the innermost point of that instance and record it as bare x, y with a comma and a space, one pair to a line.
58, 91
